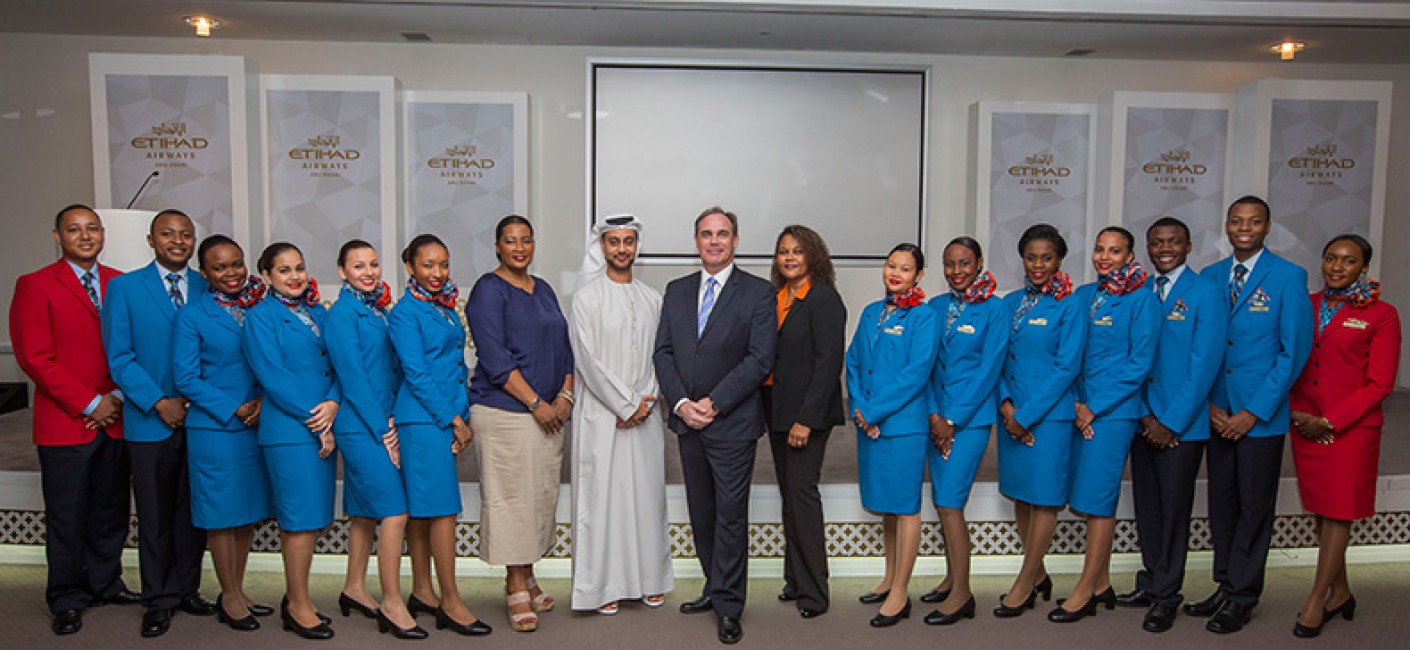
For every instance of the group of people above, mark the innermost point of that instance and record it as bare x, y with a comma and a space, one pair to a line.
224, 398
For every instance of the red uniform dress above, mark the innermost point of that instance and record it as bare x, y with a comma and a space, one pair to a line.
1350, 373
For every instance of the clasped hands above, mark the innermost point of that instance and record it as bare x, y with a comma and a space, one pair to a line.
643, 411
105, 414
1157, 434
1230, 427
698, 414
873, 431
1011, 425
551, 416
942, 435
320, 422
1314, 428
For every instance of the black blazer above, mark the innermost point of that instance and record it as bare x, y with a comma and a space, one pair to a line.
808, 364
729, 360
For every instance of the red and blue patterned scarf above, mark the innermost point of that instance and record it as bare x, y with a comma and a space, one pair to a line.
378, 299
236, 304
907, 299
1120, 282
308, 297
1361, 294
1059, 286
978, 291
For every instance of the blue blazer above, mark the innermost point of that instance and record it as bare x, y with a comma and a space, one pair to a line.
432, 354
888, 369
292, 365
208, 365
1269, 339
360, 348
138, 318
1189, 356
965, 382
1121, 346
1044, 359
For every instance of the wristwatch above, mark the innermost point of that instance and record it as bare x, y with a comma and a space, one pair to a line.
534, 405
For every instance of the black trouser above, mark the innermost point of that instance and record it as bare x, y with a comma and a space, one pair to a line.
1163, 483
717, 475
805, 552
169, 546
1243, 495
86, 504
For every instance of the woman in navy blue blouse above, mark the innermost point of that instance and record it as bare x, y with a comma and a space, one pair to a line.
521, 396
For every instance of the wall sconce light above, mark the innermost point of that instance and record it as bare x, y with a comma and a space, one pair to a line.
1287, 49
202, 24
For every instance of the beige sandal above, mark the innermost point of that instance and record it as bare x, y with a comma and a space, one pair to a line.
521, 621
542, 602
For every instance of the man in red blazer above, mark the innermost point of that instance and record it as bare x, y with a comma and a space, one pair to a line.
55, 331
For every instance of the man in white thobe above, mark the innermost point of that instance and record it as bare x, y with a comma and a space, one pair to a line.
621, 550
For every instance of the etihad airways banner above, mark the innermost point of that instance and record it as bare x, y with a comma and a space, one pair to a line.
330, 163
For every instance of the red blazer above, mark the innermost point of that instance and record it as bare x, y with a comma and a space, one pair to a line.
1352, 367
54, 330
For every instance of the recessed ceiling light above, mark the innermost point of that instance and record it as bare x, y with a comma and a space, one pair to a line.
1287, 49
202, 24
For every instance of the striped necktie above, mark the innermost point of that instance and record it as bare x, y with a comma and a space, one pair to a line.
174, 290
1236, 285
1162, 285
706, 306
89, 285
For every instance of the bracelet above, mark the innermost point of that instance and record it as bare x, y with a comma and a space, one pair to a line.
568, 395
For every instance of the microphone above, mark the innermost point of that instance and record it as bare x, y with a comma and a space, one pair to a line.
154, 174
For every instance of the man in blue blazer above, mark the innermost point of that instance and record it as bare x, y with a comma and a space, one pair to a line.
1165, 461
137, 324
714, 347
1269, 338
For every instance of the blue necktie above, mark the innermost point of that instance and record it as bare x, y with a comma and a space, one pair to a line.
705, 306
1162, 285
88, 285
174, 290
1236, 286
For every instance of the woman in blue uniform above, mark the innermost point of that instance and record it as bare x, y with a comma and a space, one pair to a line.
229, 482
431, 412
964, 388
888, 384
284, 345
1122, 332
360, 346
1037, 397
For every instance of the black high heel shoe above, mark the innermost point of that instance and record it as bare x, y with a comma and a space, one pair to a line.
872, 597
935, 596
385, 625
347, 604
938, 617
478, 628
1045, 588
1347, 610
318, 632
1004, 611
260, 610
882, 620
1107, 598
1060, 615
1304, 632
416, 606
246, 624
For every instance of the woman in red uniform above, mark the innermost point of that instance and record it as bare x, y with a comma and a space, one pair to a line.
1336, 412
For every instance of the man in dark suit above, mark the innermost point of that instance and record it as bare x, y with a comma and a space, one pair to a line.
714, 347
77, 410
137, 321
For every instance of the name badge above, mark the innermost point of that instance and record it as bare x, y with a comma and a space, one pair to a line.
1355, 323
965, 329
1041, 322
1104, 321
1257, 306
895, 329
1175, 315
1259, 301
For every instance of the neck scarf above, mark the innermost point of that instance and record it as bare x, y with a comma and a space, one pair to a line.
978, 291
1059, 286
248, 297
1361, 294
378, 299
911, 297
1124, 280
445, 298
309, 296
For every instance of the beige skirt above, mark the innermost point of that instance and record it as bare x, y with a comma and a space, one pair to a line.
519, 473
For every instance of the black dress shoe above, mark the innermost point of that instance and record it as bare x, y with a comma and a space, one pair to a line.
1108, 598
385, 625
444, 621
935, 596
701, 604
872, 597
1044, 588
1004, 611
155, 622
318, 632
730, 631
195, 605
246, 624
347, 604
1347, 610
1205, 608
416, 606
808, 612
1136, 598
1160, 618
123, 596
1062, 615
938, 617
1231, 618
882, 620
265, 610
787, 595
68, 621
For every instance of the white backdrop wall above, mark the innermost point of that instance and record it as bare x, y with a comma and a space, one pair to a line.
46, 156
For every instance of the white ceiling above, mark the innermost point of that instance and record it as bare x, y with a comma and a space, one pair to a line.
1374, 31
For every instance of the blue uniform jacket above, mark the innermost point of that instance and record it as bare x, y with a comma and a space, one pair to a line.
965, 381
1121, 346
138, 318
1190, 355
208, 364
292, 365
432, 353
360, 347
888, 368
1269, 339
1044, 359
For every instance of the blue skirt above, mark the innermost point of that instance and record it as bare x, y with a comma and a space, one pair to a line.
891, 470
951, 480
428, 470
372, 485
1095, 483
1037, 474
229, 482
303, 485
